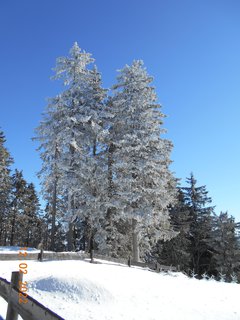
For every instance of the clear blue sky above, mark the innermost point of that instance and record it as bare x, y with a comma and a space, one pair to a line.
191, 47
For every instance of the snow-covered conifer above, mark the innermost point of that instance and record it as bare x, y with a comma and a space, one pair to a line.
222, 277
144, 186
48, 135
76, 147
234, 278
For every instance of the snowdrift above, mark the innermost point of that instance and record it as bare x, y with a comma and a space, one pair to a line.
79, 290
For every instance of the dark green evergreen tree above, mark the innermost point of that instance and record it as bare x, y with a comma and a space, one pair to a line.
17, 206
200, 213
225, 242
30, 224
176, 251
25, 223
5, 188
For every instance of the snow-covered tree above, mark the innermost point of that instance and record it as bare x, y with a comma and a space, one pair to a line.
114, 239
76, 119
144, 186
48, 134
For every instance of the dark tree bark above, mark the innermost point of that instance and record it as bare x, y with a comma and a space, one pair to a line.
135, 241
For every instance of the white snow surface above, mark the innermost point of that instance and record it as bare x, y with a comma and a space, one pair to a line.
80, 290
15, 249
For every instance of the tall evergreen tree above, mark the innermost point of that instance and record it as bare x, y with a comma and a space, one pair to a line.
114, 237
17, 206
176, 251
144, 185
77, 112
24, 220
225, 242
5, 187
197, 200
29, 231
50, 174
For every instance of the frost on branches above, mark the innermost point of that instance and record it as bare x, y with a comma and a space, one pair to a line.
144, 185
71, 140
106, 162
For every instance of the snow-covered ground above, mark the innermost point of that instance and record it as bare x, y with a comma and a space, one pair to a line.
80, 290
15, 249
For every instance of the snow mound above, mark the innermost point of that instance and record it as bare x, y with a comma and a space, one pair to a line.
82, 289
77, 289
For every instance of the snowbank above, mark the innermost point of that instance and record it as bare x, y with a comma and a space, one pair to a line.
15, 249
80, 290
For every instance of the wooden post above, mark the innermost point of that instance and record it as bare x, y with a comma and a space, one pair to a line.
91, 247
16, 277
91, 255
129, 261
40, 255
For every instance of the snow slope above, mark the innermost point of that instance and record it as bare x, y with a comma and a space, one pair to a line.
79, 290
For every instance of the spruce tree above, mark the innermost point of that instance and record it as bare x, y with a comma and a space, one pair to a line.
24, 226
75, 119
176, 251
17, 207
198, 201
225, 242
114, 236
5, 188
30, 222
140, 162
47, 133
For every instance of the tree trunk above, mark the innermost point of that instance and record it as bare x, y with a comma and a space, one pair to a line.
70, 237
54, 210
54, 199
135, 243
1, 229
110, 210
91, 246
13, 230
110, 171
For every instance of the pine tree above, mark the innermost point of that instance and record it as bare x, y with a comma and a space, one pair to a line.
5, 189
201, 225
144, 185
